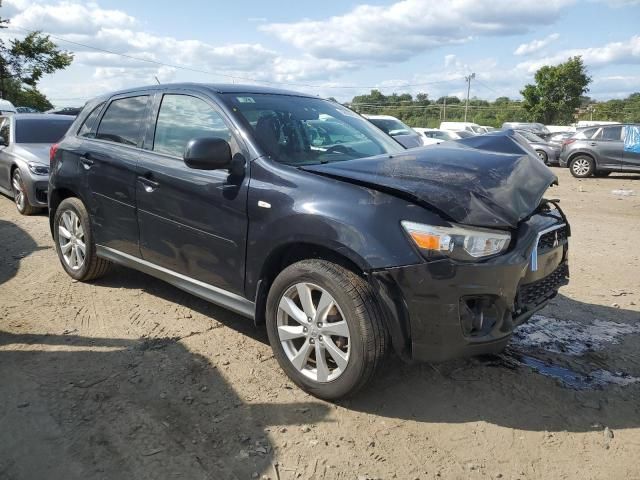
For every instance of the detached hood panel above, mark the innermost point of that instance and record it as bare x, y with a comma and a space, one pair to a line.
488, 181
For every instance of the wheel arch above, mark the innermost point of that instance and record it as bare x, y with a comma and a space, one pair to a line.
56, 197
583, 153
394, 315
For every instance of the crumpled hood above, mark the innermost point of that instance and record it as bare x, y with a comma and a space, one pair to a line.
488, 181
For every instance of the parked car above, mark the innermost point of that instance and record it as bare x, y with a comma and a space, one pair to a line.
73, 111
548, 152
487, 128
344, 249
404, 134
463, 134
437, 134
601, 150
25, 140
427, 137
559, 138
463, 126
537, 128
6, 107
26, 110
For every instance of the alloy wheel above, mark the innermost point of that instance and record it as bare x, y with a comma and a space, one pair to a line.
581, 166
71, 240
313, 332
19, 195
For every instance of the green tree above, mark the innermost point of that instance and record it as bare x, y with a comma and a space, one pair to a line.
557, 92
24, 62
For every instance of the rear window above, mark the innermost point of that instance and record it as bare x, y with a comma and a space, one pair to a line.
41, 130
123, 120
586, 133
391, 126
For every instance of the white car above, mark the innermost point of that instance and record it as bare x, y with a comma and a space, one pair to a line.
462, 126
427, 137
443, 135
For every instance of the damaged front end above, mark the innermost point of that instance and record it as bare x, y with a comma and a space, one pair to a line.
463, 300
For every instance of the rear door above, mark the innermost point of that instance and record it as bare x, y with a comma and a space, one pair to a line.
609, 146
631, 154
109, 161
193, 222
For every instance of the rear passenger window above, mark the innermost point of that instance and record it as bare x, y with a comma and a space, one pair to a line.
123, 121
5, 131
88, 128
182, 118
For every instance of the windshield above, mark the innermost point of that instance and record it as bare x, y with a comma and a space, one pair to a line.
305, 131
530, 136
41, 130
391, 126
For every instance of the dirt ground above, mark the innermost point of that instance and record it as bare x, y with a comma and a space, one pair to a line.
130, 378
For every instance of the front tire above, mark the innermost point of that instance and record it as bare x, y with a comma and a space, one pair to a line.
20, 194
582, 166
74, 241
325, 328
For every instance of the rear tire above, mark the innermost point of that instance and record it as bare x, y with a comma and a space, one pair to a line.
582, 166
20, 196
74, 241
295, 327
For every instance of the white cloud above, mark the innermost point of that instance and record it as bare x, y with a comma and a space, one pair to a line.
626, 52
407, 28
535, 45
620, 3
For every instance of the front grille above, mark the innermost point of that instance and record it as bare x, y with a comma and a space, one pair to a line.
552, 239
535, 293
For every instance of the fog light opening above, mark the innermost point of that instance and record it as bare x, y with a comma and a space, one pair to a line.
478, 315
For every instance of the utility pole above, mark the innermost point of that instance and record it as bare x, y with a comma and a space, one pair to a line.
468, 78
444, 109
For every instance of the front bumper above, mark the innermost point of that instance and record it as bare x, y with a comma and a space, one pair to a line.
455, 309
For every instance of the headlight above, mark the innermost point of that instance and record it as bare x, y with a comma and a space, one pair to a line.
460, 243
38, 169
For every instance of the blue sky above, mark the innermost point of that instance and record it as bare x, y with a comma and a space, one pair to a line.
336, 48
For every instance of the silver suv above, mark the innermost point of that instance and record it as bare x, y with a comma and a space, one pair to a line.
601, 150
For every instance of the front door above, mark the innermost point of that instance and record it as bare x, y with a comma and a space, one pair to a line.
193, 222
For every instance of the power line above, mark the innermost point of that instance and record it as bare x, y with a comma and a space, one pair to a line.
233, 77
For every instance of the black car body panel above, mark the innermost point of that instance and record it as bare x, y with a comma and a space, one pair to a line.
221, 234
494, 184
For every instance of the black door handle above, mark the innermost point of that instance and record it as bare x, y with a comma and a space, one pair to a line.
148, 184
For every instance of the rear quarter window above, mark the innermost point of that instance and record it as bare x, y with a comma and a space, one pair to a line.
88, 128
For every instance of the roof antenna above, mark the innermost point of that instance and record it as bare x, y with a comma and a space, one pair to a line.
157, 80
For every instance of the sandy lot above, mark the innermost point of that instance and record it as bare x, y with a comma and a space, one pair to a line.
129, 377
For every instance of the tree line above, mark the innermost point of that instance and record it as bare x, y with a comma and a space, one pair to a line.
557, 97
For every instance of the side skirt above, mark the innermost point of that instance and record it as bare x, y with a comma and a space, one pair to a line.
216, 295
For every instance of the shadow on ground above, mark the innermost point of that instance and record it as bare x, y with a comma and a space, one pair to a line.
15, 244
491, 389
73, 407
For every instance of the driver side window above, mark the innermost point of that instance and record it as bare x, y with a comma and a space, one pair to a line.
182, 118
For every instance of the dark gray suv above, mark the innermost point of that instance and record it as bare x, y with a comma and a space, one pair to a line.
297, 212
601, 150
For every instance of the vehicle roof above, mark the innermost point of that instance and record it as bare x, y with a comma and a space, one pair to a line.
215, 88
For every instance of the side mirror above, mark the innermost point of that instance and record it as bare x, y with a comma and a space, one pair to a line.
3, 142
207, 153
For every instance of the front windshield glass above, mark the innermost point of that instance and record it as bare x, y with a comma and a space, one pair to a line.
391, 126
530, 136
306, 131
